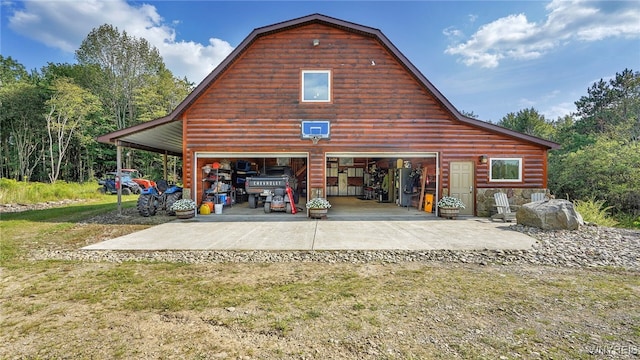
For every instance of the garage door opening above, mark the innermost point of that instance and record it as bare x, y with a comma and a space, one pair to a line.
222, 177
382, 183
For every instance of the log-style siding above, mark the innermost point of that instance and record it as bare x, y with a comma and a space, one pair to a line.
254, 105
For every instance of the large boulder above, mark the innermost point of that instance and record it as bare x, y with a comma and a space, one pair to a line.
554, 214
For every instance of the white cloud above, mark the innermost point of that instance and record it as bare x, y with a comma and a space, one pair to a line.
198, 59
515, 37
64, 24
452, 32
526, 103
552, 105
559, 110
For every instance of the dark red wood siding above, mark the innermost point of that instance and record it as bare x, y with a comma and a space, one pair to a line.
254, 105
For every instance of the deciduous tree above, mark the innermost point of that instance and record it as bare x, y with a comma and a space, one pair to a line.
607, 170
124, 62
22, 128
68, 109
11, 71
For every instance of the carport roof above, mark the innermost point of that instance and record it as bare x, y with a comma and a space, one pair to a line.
164, 135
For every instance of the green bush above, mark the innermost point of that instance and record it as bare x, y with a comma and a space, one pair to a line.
607, 169
628, 221
594, 211
22, 192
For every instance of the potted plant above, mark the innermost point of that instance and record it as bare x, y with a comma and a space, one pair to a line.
450, 207
184, 208
318, 207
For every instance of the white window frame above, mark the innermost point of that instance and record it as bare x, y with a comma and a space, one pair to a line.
519, 160
302, 93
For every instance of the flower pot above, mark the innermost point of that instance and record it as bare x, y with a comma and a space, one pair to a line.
318, 213
185, 214
449, 212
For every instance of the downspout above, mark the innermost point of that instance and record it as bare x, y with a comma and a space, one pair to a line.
545, 170
437, 184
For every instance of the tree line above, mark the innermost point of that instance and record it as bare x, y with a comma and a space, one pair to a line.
51, 118
599, 157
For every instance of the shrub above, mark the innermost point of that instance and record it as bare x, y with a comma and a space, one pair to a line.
628, 221
593, 210
607, 169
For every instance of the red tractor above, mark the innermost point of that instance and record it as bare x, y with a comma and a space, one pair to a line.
136, 176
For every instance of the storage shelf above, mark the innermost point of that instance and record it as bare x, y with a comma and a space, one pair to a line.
344, 181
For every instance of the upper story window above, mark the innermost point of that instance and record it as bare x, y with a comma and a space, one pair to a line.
316, 85
505, 169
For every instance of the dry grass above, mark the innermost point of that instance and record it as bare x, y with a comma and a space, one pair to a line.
56, 309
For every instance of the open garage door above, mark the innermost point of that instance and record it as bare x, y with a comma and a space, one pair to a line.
371, 180
223, 174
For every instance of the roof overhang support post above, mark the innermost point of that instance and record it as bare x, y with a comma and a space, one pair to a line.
164, 165
119, 175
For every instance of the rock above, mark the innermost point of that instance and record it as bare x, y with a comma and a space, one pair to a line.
554, 214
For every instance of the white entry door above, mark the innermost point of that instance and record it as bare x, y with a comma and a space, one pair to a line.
461, 184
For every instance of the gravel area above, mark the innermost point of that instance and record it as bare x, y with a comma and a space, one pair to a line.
591, 246
15, 207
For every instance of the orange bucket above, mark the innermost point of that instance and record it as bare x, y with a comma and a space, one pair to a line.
209, 204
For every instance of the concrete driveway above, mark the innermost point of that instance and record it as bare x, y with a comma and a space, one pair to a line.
368, 226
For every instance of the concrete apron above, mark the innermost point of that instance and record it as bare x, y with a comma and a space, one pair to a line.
297, 232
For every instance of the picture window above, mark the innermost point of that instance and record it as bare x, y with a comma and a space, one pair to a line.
505, 170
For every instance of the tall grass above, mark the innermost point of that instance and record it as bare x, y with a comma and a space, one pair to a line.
21, 192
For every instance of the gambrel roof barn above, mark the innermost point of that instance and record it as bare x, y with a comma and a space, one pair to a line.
329, 97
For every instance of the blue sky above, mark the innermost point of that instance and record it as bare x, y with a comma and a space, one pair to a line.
486, 57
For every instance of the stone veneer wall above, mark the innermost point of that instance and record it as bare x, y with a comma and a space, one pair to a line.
485, 203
